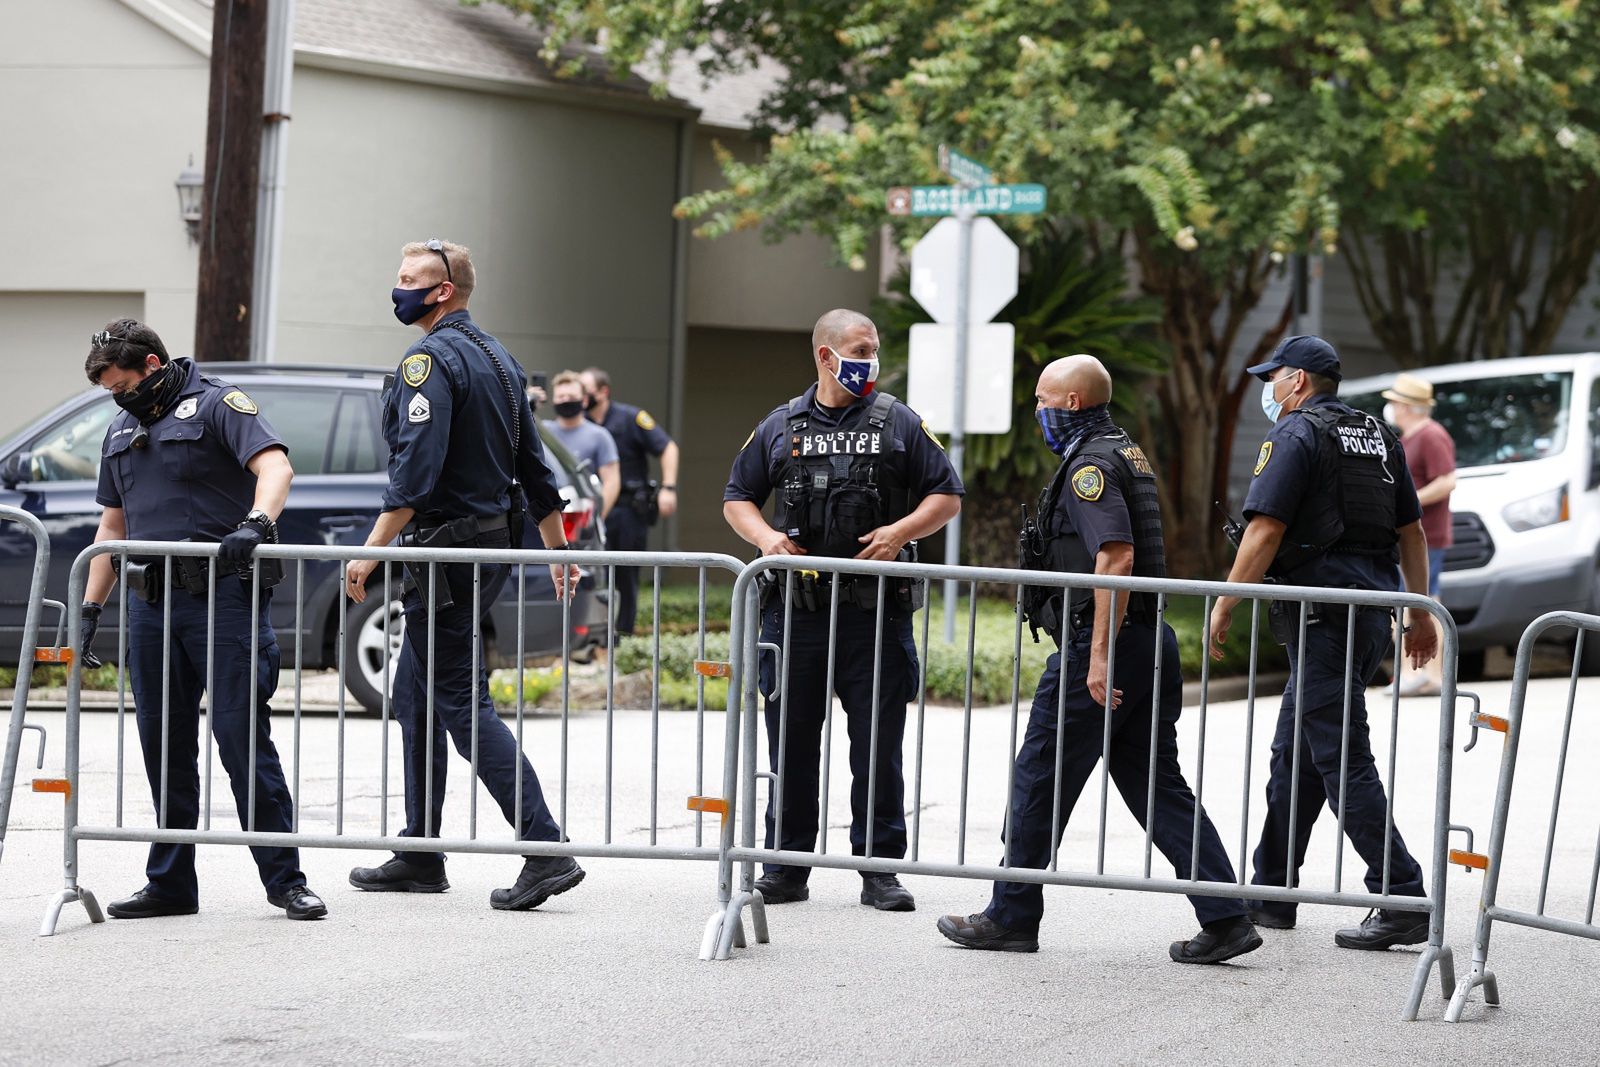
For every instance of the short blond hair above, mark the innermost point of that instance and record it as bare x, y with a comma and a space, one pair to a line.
461, 274
567, 376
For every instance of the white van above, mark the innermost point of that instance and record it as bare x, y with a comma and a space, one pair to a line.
1526, 508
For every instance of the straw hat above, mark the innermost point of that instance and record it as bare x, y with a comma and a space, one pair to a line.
1409, 389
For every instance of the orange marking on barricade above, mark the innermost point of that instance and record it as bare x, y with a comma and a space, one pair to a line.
715, 805
53, 785
1492, 722
52, 655
1469, 860
712, 668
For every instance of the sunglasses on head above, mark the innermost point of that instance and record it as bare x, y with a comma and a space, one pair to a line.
436, 245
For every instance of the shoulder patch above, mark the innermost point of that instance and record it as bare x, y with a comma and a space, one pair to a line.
1088, 483
1262, 458
419, 410
644, 420
241, 403
747, 441
414, 369
931, 435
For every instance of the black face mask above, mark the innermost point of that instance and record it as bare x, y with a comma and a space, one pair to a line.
590, 401
569, 408
155, 395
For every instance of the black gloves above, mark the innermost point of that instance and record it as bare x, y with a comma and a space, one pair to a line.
240, 545
86, 632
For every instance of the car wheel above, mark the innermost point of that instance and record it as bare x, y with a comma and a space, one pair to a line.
367, 631
1589, 662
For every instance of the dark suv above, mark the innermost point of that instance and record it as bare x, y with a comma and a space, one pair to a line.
329, 417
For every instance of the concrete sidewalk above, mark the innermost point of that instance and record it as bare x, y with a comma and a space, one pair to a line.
608, 974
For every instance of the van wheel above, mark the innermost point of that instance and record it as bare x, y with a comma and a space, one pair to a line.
367, 630
1589, 662
1470, 665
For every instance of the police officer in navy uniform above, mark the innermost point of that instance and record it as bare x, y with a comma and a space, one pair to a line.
191, 458
463, 451
638, 437
1100, 515
855, 473
1331, 504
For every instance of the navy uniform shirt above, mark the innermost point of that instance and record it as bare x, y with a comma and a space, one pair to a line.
637, 437
917, 459
1286, 475
448, 422
1092, 505
190, 478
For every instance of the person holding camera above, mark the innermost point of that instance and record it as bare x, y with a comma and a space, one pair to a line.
192, 458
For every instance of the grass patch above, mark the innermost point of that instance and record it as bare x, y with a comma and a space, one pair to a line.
54, 676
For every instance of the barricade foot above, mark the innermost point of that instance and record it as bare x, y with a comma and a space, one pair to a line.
708, 940
52, 911
738, 932
1478, 977
758, 917
731, 935
1432, 954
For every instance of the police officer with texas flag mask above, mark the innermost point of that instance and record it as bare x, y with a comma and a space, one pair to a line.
856, 474
1331, 504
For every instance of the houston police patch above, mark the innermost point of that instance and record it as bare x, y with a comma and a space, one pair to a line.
931, 435
414, 369
1263, 456
644, 420
241, 403
1088, 483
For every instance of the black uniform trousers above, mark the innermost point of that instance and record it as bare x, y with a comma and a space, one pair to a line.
858, 632
1366, 804
458, 698
1020, 905
170, 868
626, 531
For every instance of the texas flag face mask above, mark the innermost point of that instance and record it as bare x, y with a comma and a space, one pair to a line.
858, 376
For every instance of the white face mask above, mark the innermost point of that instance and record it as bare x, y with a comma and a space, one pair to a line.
1271, 406
1389, 415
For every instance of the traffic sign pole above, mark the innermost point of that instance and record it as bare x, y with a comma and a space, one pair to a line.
958, 435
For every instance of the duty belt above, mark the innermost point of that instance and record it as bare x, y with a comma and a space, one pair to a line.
433, 532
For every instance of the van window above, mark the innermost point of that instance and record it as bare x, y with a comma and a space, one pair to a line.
69, 451
355, 437
1513, 419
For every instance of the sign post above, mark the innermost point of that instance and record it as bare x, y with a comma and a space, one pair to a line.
974, 195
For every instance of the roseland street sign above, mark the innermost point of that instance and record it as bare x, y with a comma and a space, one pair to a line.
923, 200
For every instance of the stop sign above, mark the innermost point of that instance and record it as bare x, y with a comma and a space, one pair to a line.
935, 269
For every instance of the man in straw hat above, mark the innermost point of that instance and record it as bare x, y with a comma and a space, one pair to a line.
1431, 458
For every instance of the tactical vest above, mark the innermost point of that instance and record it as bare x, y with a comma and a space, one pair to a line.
1052, 545
1356, 457
839, 482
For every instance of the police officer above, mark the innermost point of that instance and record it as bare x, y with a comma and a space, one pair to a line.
857, 474
1331, 504
637, 437
463, 449
191, 458
1100, 515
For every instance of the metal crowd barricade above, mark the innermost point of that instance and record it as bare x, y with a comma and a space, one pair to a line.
1490, 910
350, 820
29, 654
725, 928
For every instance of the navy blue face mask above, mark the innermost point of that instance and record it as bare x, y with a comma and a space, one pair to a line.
1063, 427
411, 304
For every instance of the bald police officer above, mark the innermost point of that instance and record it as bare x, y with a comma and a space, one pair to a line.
857, 474
1100, 515
463, 451
191, 458
1331, 504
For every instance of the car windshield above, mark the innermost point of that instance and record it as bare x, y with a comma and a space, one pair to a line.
1498, 420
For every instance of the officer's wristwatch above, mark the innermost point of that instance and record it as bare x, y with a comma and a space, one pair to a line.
260, 518
669, 489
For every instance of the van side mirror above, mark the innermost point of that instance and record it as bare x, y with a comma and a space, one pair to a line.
16, 469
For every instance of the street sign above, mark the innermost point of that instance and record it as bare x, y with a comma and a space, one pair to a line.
923, 200
931, 377
964, 169
936, 270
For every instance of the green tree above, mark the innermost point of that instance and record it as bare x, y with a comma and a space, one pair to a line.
1069, 299
1205, 140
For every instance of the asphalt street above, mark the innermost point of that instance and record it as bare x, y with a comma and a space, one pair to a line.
608, 973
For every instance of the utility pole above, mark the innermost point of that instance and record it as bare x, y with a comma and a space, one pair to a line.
223, 311
274, 179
